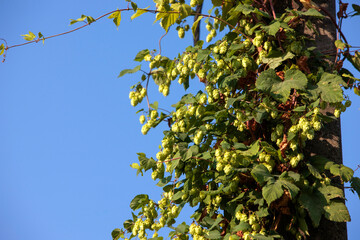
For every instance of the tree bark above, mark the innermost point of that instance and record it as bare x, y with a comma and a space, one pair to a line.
327, 142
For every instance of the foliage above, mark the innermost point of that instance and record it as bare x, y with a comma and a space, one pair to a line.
235, 150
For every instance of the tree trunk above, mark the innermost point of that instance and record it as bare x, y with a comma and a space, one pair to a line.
327, 143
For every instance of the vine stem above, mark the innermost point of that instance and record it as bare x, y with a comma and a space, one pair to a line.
120, 10
160, 41
337, 27
147, 95
272, 9
67, 32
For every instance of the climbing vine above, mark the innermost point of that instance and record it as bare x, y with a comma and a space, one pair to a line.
236, 150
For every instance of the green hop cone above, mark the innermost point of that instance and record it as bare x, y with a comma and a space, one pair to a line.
181, 33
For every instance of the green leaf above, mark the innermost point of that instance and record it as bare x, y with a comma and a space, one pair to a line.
117, 233
268, 148
260, 115
214, 234
356, 9
295, 176
262, 212
292, 188
340, 44
146, 163
337, 212
195, 24
217, 3
261, 174
90, 19
168, 19
355, 60
129, 71
116, 16
134, 6
174, 164
319, 162
182, 228
229, 81
303, 225
312, 12
268, 81
155, 105
129, 223
242, 226
164, 181
253, 150
40, 36
139, 12
300, 109
81, 19
331, 192
29, 37
137, 167
202, 55
216, 223
139, 201
177, 195
272, 191
330, 89
2, 49
274, 62
273, 28
314, 171
192, 151
314, 202
355, 184
344, 172
246, 9
262, 237
184, 9
140, 56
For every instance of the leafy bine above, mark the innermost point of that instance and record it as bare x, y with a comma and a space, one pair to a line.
236, 149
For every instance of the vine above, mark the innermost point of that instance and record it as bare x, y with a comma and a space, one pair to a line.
236, 150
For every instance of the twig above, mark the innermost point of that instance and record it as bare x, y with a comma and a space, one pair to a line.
73, 30
337, 27
147, 95
121, 10
160, 41
272, 9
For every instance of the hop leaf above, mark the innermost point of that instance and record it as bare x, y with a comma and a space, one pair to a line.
29, 37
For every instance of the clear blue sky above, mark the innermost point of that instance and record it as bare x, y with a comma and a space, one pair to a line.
67, 131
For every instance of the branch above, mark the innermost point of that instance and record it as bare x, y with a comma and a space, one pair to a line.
122, 10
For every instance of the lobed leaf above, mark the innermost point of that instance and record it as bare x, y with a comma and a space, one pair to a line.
139, 201
337, 212
29, 37
355, 184
129, 71
139, 12
272, 191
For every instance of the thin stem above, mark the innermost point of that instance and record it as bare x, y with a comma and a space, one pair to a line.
164, 110
336, 25
121, 10
160, 41
60, 34
272, 9
147, 87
